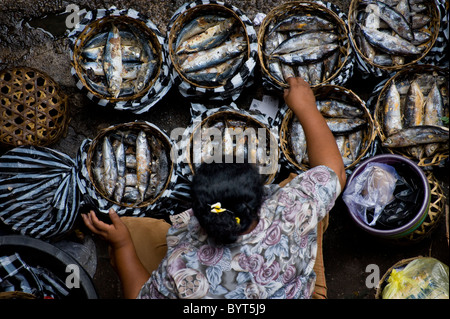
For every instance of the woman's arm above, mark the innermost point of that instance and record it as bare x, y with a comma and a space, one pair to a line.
322, 148
130, 270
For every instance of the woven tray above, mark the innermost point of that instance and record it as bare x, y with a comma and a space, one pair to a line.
404, 75
358, 6
303, 8
33, 108
134, 127
102, 25
336, 93
233, 115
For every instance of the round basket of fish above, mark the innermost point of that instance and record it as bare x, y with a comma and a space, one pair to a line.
118, 59
130, 164
233, 136
347, 117
392, 34
212, 49
412, 112
305, 39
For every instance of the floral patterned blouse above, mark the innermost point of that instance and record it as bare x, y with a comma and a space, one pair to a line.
274, 260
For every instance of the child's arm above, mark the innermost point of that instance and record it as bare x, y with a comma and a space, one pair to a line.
130, 270
322, 148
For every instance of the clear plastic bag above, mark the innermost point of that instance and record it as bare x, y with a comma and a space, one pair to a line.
372, 189
422, 278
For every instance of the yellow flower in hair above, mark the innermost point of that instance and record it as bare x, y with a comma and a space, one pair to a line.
217, 208
238, 220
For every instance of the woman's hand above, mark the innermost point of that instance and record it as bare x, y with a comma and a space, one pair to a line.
299, 97
116, 234
131, 272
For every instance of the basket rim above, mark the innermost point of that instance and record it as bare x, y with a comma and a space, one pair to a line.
436, 15
279, 10
219, 113
287, 120
411, 70
129, 126
90, 30
177, 25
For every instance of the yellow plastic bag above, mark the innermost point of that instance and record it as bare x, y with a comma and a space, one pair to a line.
422, 278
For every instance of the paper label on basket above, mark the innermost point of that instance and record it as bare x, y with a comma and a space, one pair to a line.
268, 106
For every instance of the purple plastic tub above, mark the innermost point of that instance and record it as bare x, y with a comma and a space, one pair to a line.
416, 221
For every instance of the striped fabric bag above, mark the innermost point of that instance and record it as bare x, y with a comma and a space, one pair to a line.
39, 196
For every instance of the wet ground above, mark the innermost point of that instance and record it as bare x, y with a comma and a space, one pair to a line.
34, 36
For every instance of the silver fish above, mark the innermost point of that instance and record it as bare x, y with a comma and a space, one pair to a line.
355, 143
143, 161
129, 70
210, 38
208, 58
343, 125
335, 108
109, 168
393, 18
308, 55
315, 71
329, 65
392, 122
217, 74
298, 140
418, 20
433, 113
131, 179
97, 168
130, 195
273, 40
131, 161
129, 53
383, 59
112, 62
305, 40
275, 69
303, 23
414, 106
196, 26
412, 136
121, 168
390, 44
342, 144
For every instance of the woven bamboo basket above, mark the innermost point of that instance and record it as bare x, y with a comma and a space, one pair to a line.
358, 6
405, 76
435, 212
189, 15
301, 8
133, 128
335, 93
33, 108
103, 25
250, 122
383, 280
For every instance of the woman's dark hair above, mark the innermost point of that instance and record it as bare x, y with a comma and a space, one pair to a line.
239, 189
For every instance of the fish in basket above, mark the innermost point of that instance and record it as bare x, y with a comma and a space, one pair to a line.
390, 34
348, 119
130, 164
304, 39
412, 114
